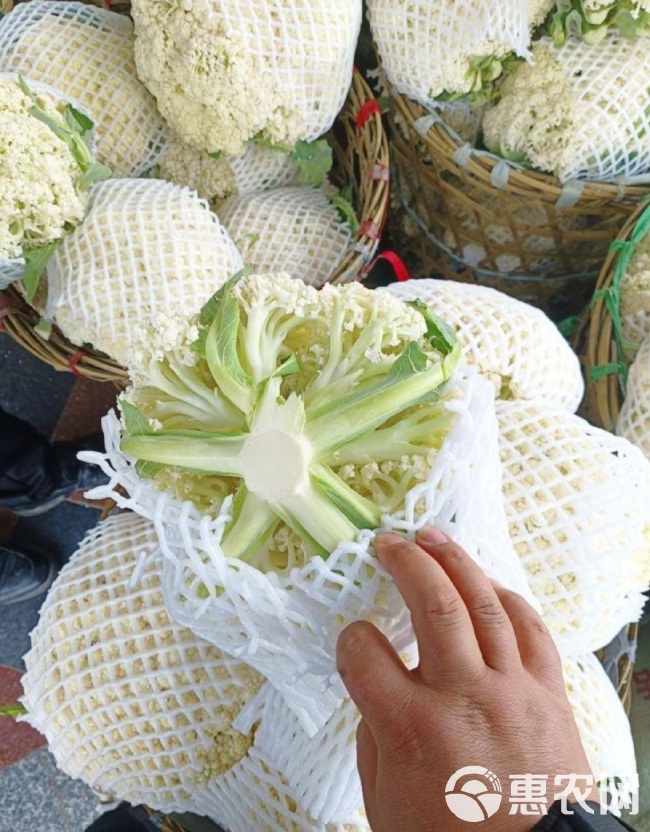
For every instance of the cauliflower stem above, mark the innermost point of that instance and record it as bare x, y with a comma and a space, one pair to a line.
252, 411
592, 19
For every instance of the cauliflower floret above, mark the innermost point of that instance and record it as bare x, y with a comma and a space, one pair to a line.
634, 418
578, 506
41, 196
224, 73
147, 247
293, 229
448, 48
539, 11
258, 169
87, 53
513, 345
635, 295
577, 111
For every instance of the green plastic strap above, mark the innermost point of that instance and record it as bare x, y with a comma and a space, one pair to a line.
611, 296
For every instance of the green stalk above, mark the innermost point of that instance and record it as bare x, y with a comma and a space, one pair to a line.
254, 521
363, 513
195, 450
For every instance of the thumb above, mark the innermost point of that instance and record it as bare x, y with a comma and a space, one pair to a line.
375, 677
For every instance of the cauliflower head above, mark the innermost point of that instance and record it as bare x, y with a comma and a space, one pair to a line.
512, 344
147, 248
602, 723
294, 229
634, 418
41, 193
313, 411
577, 111
216, 179
577, 500
635, 295
447, 49
87, 53
224, 73
130, 702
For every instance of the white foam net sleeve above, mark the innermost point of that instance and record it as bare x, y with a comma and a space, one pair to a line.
254, 796
634, 419
578, 506
290, 229
603, 725
11, 270
87, 53
427, 48
130, 702
513, 345
287, 626
261, 169
321, 770
225, 72
146, 247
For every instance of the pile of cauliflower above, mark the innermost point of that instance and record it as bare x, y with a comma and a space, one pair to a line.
560, 86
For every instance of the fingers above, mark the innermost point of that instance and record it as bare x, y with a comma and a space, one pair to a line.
536, 647
374, 676
492, 626
446, 640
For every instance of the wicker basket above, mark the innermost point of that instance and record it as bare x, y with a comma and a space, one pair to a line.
360, 150
530, 237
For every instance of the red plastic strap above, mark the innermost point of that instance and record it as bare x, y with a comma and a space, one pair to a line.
370, 108
72, 364
401, 272
370, 229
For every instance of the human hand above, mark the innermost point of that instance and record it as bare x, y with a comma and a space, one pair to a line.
488, 691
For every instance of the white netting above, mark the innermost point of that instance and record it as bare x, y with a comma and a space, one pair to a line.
512, 344
291, 229
129, 701
286, 626
635, 294
225, 72
578, 506
634, 418
87, 53
147, 248
602, 723
11, 270
579, 111
427, 47
258, 169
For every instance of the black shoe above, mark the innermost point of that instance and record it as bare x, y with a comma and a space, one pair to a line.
72, 475
24, 574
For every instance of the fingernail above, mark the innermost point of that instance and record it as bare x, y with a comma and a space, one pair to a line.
431, 536
383, 542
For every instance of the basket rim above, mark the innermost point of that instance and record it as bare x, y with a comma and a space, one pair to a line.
482, 164
362, 121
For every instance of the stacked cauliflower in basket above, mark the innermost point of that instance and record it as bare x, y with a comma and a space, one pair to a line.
185, 656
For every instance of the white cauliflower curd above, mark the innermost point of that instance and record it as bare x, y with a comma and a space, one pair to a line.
140, 708
147, 249
578, 506
294, 229
634, 418
512, 344
40, 179
446, 48
226, 72
576, 111
215, 179
87, 53
635, 294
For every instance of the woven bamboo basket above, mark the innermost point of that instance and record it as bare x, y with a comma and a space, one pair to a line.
470, 216
360, 149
